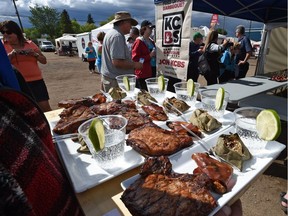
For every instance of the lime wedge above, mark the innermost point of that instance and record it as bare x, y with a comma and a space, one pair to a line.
161, 83
219, 98
96, 134
190, 87
268, 124
126, 83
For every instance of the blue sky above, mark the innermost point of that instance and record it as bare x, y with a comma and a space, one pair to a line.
102, 9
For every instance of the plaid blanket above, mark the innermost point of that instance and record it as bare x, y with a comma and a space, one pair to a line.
32, 180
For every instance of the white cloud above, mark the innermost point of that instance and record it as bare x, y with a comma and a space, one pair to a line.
101, 10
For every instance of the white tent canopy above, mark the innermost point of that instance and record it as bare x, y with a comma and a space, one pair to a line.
65, 40
103, 28
273, 49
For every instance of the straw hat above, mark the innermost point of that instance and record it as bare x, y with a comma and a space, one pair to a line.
124, 15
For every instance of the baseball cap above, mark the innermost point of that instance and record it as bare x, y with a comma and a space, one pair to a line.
147, 23
197, 35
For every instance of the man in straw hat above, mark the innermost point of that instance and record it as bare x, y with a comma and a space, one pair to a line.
116, 58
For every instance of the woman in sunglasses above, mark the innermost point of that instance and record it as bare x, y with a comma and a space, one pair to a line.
24, 55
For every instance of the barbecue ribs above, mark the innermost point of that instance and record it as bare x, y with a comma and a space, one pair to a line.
160, 192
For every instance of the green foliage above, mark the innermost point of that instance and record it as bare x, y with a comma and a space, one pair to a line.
87, 27
65, 23
76, 26
221, 31
45, 20
107, 21
32, 33
90, 19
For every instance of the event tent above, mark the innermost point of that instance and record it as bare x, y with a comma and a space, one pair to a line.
63, 42
103, 28
265, 11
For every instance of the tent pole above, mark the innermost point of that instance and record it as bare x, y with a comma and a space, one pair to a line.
260, 62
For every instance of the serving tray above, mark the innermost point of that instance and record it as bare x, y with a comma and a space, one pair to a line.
182, 163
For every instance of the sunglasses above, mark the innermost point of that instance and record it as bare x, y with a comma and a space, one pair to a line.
7, 32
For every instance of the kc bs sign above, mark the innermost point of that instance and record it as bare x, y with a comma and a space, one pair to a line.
172, 29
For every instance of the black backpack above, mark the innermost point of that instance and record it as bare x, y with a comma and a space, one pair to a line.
203, 64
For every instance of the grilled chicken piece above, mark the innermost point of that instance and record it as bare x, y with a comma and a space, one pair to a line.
99, 98
72, 118
220, 173
160, 192
151, 140
155, 112
176, 127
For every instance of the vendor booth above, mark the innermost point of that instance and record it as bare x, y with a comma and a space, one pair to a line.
66, 45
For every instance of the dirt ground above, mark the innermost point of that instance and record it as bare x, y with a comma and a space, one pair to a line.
69, 77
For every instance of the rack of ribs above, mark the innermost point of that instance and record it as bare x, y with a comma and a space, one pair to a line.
72, 118
159, 191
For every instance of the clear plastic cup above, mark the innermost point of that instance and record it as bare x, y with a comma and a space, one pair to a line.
153, 89
132, 81
245, 122
182, 94
115, 130
208, 98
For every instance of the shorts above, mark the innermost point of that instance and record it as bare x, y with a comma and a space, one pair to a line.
39, 90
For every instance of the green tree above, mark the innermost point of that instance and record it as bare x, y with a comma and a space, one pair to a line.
108, 20
65, 23
88, 27
76, 26
32, 33
45, 20
90, 19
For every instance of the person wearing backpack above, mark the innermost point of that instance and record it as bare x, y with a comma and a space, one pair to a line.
213, 54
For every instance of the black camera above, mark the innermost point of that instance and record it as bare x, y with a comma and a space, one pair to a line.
229, 44
23, 52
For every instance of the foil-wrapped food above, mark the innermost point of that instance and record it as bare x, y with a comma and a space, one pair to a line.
178, 104
117, 93
143, 98
204, 121
231, 148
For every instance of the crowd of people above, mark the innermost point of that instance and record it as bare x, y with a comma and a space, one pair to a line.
114, 56
228, 60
